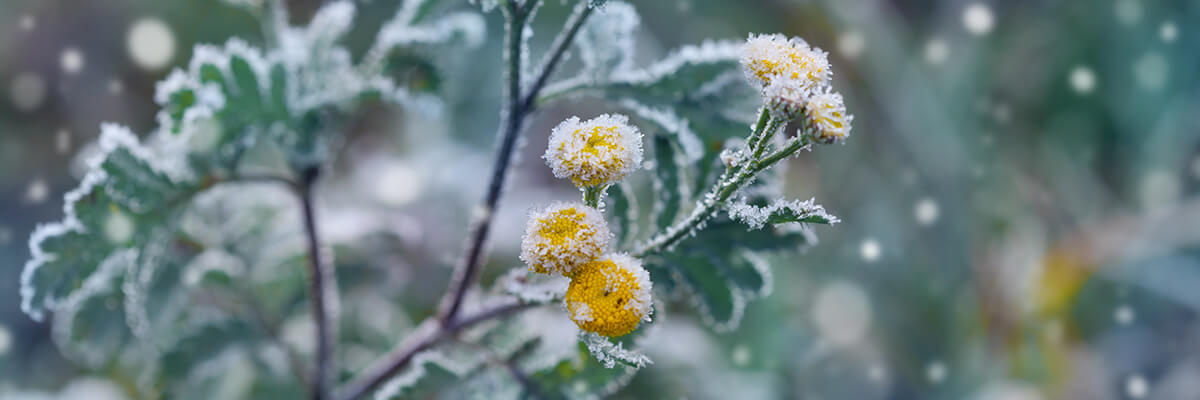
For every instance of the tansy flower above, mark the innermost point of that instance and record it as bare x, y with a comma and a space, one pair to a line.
596, 152
766, 58
786, 98
827, 116
610, 296
562, 237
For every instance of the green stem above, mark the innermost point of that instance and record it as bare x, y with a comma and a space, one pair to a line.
593, 195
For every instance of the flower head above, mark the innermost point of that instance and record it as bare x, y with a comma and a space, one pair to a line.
826, 114
610, 296
595, 152
563, 236
786, 98
767, 58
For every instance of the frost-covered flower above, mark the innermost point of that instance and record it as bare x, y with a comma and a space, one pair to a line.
767, 58
599, 151
610, 296
562, 237
786, 98
826, 114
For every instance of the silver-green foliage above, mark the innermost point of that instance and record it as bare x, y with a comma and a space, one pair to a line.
179, 262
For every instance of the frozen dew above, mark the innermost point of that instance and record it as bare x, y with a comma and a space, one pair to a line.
71, 60
28, 22
1159, 189
1083, 80
118, 228
851, 44
936, 372
926, 211
150, 43
1168, 32
842, 313
1128, 12
1136, 387
978, 19
740, 355
37, 191
5, 340
936, 51
869, 250
1124, 314
62, 141
1151, 71
28, 91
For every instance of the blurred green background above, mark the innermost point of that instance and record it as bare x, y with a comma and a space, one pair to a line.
1018, 195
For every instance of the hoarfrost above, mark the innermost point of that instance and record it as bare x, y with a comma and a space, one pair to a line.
609, 353
780, 211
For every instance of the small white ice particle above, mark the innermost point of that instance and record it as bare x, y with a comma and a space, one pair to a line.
936, 51
851, 44
27, 91
150, 43
1083, 80
1124, 315
37, 191
926, 211
936, 372
1136, 387
1168, 32
869, 250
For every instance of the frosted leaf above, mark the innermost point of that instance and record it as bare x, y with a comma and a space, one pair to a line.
426, 366
606, 41
399, 31
670, 122
93, 345
212, 262
780, 211
609, 353
486, 5
533, 288
705, 53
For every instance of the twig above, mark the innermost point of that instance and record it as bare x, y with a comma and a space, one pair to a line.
322, 291
559, 47
399, 358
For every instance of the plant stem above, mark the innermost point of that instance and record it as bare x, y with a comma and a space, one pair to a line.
593, 195
399, 358
734, 179
517, 107
322, 291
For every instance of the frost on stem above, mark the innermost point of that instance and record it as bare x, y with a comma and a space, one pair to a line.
533, 288
780, 211
596, 152
610, 296
562, 237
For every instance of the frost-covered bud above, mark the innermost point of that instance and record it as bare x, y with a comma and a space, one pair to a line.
827, 116
767, 58
562, 237
610, 296
596, 152
786, 98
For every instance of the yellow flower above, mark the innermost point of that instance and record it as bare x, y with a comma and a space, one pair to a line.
562, 237
610, 296
766, 58
828, 117
596, 152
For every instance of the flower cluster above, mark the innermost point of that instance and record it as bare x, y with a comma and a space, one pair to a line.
609, 293
596, 152
795, 80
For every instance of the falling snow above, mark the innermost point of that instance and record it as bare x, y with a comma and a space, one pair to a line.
936, 51
842, 314
27, 91
869, 250
1083, 80
926, 211
150, 43
978, 19
71, 60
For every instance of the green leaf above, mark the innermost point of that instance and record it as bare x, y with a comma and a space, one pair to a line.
669, 186
719, 302
623, 213
581, 377
780, 212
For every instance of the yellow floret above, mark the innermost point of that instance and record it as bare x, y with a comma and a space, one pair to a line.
598, 157
562, 237
610, 296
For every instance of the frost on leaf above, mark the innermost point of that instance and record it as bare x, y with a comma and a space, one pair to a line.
609, 353
532, 287
781, 212
606, 41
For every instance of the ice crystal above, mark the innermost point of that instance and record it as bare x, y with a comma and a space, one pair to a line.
609, 353
562, 237
596, 152
780, 211
606, 42
827, 115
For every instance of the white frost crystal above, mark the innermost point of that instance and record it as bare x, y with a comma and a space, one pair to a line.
767, 58
787, 211
828, 118
562, 237
596, 152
